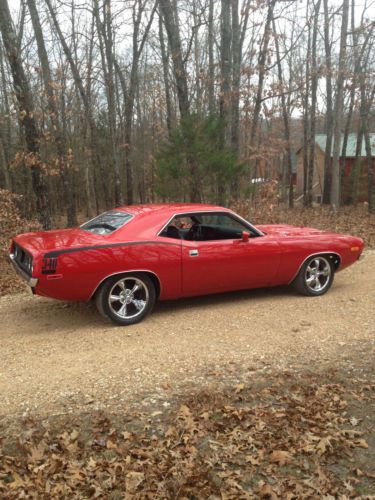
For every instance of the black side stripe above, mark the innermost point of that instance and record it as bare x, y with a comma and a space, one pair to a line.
56, 253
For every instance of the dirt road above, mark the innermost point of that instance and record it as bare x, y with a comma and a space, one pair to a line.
58, 357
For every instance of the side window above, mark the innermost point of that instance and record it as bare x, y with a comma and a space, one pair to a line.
178, 227
224, 221
205, 227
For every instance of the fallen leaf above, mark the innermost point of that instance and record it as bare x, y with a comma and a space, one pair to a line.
74, 435
126, 435
280, 457
36, 453
132, 480
252, 460
324, 445
267, 492
184, 411
354, 421
361, 443
111, 445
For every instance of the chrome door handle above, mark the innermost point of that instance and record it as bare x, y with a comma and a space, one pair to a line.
193, 253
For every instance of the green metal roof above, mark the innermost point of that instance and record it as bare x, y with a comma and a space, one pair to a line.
321, 140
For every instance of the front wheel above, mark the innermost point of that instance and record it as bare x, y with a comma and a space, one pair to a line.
315, 276
126, 299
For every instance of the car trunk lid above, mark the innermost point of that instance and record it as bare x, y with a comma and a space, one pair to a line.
46, 241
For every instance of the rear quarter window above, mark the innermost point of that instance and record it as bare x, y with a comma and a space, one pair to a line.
107, 223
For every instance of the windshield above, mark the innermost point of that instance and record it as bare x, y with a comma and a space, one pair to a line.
106, 223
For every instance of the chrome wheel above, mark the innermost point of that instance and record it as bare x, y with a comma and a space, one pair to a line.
315, 276
318, 274
128, 298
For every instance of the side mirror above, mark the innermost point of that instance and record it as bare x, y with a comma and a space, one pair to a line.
245, 236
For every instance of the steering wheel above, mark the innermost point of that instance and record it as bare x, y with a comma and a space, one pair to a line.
194, 233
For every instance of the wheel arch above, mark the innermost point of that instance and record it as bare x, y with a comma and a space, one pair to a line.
335, 258
153, 276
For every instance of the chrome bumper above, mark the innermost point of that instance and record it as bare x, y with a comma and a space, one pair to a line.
30, 281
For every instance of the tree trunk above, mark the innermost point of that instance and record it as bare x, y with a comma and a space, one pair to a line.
306, 121
211, 62
329, 109
104, 30
356, 174
180, 75
130, 90
288, 174
6, 134
314, 87
59, 137
225, 87
338, 116
173, 32
97, 163
261, 76
26, 107
235, 95
364, 118
165, 64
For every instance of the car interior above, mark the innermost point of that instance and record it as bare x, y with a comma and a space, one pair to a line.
205, 227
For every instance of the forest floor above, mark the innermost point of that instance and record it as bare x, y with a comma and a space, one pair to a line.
261, 393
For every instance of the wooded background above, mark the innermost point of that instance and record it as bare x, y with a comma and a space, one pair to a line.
107, 102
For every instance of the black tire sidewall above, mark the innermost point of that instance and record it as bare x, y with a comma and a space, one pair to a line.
103, 304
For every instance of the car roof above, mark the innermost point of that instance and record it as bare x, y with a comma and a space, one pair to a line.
165, 209
149, 219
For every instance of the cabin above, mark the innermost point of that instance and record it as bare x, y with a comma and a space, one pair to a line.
351, 183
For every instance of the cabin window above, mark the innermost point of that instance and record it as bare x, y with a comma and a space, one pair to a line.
107, 223
206, 227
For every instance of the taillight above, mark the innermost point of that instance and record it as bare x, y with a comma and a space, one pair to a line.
23, 258
49, 265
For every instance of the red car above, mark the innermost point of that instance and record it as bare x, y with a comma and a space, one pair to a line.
131, 256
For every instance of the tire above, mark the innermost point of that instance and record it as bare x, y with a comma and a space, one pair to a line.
315, 276
126, 299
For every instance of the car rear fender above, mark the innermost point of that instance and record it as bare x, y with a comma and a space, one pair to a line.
153, 276
336, 259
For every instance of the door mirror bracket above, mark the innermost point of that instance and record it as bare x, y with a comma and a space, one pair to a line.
245, 236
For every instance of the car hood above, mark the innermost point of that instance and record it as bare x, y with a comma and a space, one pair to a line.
286, 230
46, 241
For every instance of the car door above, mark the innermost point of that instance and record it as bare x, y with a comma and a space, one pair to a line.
229, 264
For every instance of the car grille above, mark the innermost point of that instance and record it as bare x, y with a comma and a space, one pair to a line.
23, 259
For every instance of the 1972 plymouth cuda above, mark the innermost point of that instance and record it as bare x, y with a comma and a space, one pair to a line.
131, 256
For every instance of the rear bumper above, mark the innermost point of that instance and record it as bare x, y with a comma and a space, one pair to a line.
29, 280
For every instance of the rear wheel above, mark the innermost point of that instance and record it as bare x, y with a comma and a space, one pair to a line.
315, 276
126, 299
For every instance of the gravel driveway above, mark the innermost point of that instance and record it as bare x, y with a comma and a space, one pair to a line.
58, 357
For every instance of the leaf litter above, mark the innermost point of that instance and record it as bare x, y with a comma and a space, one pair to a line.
283, 436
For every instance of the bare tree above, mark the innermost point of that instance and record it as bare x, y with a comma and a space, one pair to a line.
285, 114
329, 107
172, 27
97, 164
262, 68
314, 87
105, 38
26, 109
338, 110
59, 137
